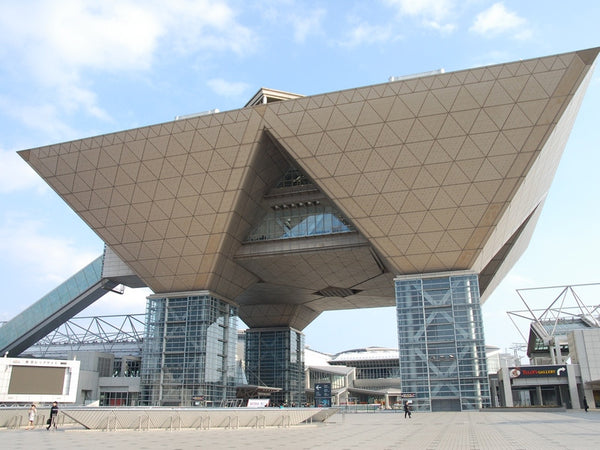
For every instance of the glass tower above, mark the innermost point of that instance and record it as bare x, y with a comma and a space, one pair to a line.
441, 343
189, 350
275, 358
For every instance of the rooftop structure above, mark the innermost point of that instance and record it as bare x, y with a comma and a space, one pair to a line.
120, 335
563, 344
549, 328
365, 354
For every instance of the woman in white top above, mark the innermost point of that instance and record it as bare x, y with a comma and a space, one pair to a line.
31, 416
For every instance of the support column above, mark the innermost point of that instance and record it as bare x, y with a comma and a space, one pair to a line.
494, 395
507, 387
573, 391
441, 343
538, 393
189, 349
275, 358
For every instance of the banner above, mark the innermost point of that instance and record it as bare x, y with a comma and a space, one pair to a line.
537, 371
257, 402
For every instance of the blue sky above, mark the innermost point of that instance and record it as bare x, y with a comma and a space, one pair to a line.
73, 69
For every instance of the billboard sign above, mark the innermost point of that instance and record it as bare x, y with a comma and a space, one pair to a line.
537, 371
38, 380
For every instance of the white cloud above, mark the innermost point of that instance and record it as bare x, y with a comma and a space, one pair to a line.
57, 40
16, 175
207, 25
65, 37
443, 28
227, 88
307, 24
132, 301
73, 98
45, 117
364, 33
435, 9
433, 13
497, 20
56, 45
52, 259
304, 21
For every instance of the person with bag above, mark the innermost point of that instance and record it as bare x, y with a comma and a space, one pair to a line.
53, 416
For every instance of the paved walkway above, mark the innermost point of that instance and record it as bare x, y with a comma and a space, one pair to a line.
379, 430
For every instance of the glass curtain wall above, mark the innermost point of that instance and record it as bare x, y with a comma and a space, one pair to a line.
300, 219
189, 351
118, 399
441, 342
318, 376
372, 369
275, 358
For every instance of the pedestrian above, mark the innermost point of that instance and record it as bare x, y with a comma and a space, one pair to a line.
31, 416
407, 410
585, 404
53, 416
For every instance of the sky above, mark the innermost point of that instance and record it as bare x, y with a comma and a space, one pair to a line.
74, 69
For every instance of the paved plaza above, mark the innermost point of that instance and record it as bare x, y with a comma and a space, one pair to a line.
378, 430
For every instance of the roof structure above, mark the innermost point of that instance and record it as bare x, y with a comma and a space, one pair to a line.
437, 173
121, 335
365, 354
549, 327
547, 333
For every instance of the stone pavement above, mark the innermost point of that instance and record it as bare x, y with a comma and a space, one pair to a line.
376, 430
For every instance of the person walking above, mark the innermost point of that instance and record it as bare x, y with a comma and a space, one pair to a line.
407, 410
53, 416
31, 416
585, 404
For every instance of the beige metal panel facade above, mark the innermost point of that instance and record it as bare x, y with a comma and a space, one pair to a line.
436, 173
428, 167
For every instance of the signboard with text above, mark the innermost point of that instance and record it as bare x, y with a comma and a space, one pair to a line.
258, 402
537, 371
27, 380
323, 395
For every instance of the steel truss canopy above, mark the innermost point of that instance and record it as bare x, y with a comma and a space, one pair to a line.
437, 173
550, 326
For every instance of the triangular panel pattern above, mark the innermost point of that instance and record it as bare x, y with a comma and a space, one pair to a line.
425, 169
476, 133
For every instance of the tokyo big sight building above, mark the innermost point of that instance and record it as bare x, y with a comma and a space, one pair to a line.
420, 193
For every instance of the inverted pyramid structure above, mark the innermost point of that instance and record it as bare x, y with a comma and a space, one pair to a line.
437, 173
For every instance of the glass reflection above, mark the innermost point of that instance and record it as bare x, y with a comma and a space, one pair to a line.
301, 220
